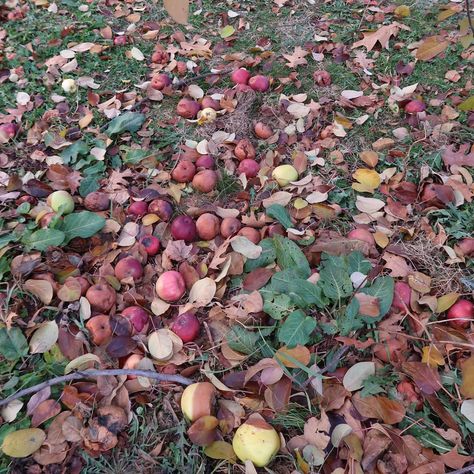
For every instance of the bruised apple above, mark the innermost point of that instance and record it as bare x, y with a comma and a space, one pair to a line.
208, 102
240, 76
184, 171
361, 234
205, 162
138, 317
97, 201
249, 168
160, 81
208, 226
128, 267
197, 400
184, 228
188, 108
252, 234
138, 208
186, 326
205, 181
256, 441
401, 296
259, 83
101, 297
415, 106
163, 209
230, 226
461, 314
151, 243
83, 283
170, 286
262, 130
244, 150
99, 329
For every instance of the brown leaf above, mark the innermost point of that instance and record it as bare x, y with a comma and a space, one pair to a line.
382, 35
299, 353
316, 431
381, 408
257, 279
42, 289
44, 411
398, 265
178, 10
430, 48
462, 157
455, 460
368, 305
37, 399
426, 378
375, 443
278, 395
467, 385
203, 431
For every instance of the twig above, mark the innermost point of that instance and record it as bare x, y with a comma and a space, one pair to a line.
185, 82
469, 468
93, 373
469, 18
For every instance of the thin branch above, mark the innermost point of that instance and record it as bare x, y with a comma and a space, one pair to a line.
469, 468
93, 373
469, 17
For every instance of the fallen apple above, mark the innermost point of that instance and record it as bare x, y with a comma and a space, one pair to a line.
138, 208
250, 233
208, 226
138, 317
240, 76
414, 107
61, 201
205, 181
197, 400
69, 86
205, 162
208, 102
259, 83
263, 131
151, 243
244, 150
361, 234
184, 171
160, 81
230, 226
461, 314
249, 168
101, 297
401, 296
163, 209
184, 228
96, 201
186, 326
99, 329
128, 267
170, 286
284, 175
187, 108
256, 441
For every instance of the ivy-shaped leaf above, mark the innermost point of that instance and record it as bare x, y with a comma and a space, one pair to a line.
334, 278
296, 329
289, 256
13, 344
358, 263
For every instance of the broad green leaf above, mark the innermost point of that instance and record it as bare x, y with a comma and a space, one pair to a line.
267, 256
13, 344
467, 105
296, 329
302, 292
127, 122
278, 212
88, 185
358, 263
382, 288
349, 321
7, 238
276, 305
241, 340
227, 31
71, 153
82, 224
135, 155
334, 278
289, 255
44, 238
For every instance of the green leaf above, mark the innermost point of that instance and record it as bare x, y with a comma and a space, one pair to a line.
302, 292
278, 212
13, 344
467, 105
289, 255
241, 340
44, 238
70, 154
357, 263
127, 122
296, 329
135, 155
382, 288
350, 321
334, 278
275, 305
88, 185
267, 256
227, 31
82, 224
7, 238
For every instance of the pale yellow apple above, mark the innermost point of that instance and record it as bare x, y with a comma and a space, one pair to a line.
197, 400
284, 174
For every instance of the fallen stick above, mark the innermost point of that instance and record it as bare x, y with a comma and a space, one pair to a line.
93, 373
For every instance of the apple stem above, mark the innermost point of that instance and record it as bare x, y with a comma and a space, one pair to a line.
93, 373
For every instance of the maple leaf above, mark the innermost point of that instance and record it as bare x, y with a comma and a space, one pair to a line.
297, 58
382, 35
74, 180
117, 181
462, 157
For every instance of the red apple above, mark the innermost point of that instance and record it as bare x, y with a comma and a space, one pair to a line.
262, 130
186, 326
120, 40
414, 106
248, 167
461, 314
184, 171
208, 226
138, 317
188, 108
244, 150
230, 226
163, 209
401, 296
151, 243
210, 103
240, 76
205, 181
101, 297
259, 83
170, 286
128, 267
184, 228
361, 234
160, 81
205, 162
138, 208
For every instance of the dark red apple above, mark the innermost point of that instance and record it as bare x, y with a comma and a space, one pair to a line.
151, 243
138, 317
138, 208
163, 209
186, 326
184, 228
401, 296
240, 76
461, 314
128, 267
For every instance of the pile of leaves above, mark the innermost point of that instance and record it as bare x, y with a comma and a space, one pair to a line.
336, 301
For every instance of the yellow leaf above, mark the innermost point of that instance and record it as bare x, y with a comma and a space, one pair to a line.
221, 450
300, 203
81, 363
369, 180
23, 443
227, 31
446, 14
402, 11
369, 157
432, 356
467, 386
430, 48
381, 239
298, 353
150, 219
178, 10
446, 301
467, 105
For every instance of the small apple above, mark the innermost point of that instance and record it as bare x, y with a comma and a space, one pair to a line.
401, 296
249, 168
205, 181
128, 267
259, 83
137, 208
184, 171
61, 201
151, 243
69, 86
170, 286
230, 226
240, 76
101, 297
186, 326
96, 201
138, 317
163, 209
188, 108
208, 226
361, 234
160, 81
284, 175
99, 329
184, 228
461, 314
244, 150
197, 400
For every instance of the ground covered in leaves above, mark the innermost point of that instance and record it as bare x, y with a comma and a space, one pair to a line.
300, 244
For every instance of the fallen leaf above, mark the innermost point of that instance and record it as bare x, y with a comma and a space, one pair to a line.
356, 375
430, 48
